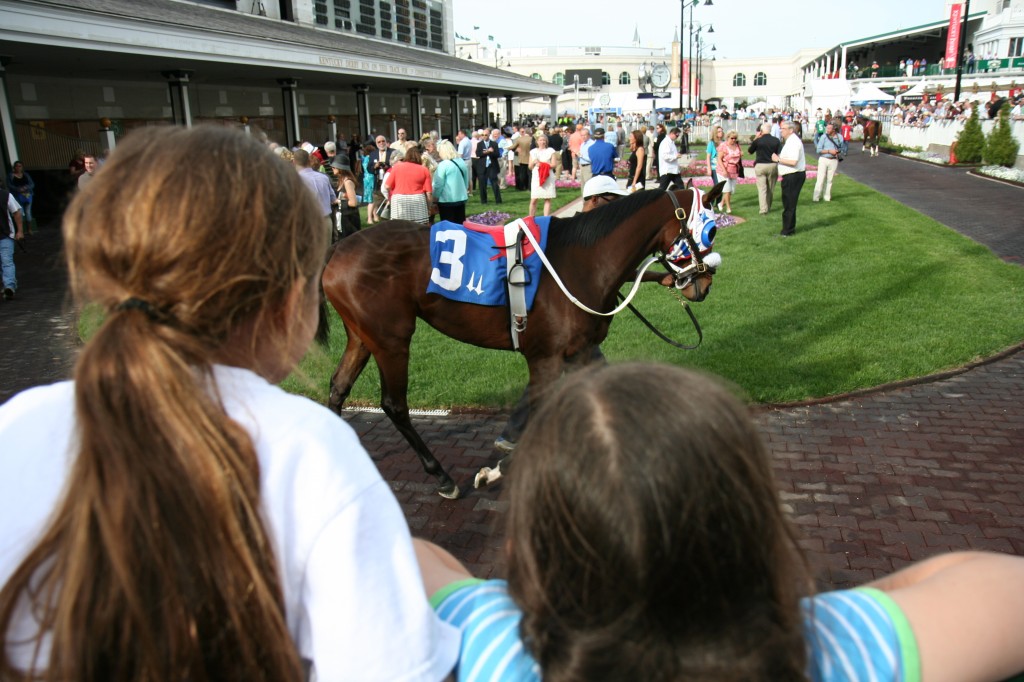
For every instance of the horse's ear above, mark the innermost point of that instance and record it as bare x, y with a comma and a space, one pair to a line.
711, 198
689, 183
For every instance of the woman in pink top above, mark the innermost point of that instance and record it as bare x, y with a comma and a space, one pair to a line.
411, 189
730, 158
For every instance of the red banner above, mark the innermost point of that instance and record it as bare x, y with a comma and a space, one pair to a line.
684, 79
953, 36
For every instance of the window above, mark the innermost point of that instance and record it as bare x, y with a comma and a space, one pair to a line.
624, 78
558, 78
739, 80
760, 78
606, 79
536, 76
1016, 47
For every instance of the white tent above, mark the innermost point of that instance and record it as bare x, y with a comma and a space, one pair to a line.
916, 92
869, 94
828, 93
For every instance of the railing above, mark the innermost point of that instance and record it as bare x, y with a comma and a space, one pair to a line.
41, 149
980, 66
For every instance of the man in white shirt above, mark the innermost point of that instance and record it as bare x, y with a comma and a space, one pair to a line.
668, 161
792, 175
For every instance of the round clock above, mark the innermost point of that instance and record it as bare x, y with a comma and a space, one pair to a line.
660, 75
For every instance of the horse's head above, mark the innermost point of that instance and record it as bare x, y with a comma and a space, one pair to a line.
694, 225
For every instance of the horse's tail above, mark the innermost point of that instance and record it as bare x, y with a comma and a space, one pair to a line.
323, 325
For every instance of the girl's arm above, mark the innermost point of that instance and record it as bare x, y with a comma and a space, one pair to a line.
967, 613
437, 566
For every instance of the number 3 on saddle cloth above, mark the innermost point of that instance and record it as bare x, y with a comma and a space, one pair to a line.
468, 262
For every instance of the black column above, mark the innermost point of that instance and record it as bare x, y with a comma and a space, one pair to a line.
417, 121
177, 81
289, 88
454, 104
363, 110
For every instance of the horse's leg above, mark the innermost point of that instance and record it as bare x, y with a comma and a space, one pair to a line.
351, 365
394, 384
542, 373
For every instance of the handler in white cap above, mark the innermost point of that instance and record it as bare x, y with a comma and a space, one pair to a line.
600, 190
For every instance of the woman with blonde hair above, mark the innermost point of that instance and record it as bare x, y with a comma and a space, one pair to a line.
730, 162
451, 184
717, 135
544, 169
170, 514
667, 555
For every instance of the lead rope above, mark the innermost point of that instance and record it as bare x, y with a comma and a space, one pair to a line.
644, 267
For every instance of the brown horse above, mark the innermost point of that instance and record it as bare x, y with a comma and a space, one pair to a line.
872, 134
377, 279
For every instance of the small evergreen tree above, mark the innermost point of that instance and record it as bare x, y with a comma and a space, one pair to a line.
970, 140
1000, 147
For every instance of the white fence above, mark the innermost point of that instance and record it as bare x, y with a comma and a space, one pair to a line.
943, 134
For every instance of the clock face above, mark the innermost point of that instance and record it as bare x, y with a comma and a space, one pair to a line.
660, 76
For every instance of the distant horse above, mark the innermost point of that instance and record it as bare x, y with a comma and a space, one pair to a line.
872, 134
377, 280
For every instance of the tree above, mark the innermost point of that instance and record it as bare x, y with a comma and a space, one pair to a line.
970, 140
1000, 147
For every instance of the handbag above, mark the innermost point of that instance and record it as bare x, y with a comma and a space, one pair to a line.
384, 212
739, 169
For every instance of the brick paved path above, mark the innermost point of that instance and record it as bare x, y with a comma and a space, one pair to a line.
873, 481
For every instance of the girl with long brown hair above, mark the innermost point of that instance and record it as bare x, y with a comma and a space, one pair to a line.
646, 541
171, 514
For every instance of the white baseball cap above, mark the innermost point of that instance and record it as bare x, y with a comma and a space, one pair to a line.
602, 184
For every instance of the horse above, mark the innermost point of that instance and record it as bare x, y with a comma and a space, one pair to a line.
872, 134
377, 280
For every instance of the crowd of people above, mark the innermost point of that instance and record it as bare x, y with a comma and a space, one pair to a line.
170, 513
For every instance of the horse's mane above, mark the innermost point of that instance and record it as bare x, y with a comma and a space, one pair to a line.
586, 229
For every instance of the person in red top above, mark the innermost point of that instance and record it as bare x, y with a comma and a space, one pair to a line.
846, 130
411, 188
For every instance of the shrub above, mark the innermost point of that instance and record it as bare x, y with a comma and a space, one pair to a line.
1000, 147
971, 141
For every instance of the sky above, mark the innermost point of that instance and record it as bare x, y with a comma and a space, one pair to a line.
743, 28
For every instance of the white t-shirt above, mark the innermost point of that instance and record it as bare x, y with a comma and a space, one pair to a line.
354, 599
792, 149
12, 207
668, 157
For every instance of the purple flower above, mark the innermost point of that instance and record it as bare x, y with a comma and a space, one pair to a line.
490, 218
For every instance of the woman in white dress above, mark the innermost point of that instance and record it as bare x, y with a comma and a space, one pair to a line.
544, 170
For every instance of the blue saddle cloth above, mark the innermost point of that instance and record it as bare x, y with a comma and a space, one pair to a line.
469, 265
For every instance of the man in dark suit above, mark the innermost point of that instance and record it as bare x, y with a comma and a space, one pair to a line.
380, 163
487, 155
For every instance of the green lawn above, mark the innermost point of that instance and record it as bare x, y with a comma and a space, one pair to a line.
867, 292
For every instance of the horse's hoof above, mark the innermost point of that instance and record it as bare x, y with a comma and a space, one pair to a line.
486, 476
449, 491
504, 444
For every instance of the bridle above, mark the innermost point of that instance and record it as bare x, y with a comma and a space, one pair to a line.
685, 275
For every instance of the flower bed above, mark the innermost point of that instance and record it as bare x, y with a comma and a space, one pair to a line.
490, 218
698, 171
930, 157
1002, 173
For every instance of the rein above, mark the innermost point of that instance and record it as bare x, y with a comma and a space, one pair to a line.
682, 275
661, 335
648, 262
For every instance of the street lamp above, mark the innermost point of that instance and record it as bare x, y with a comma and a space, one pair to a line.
700, 57
682, 11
